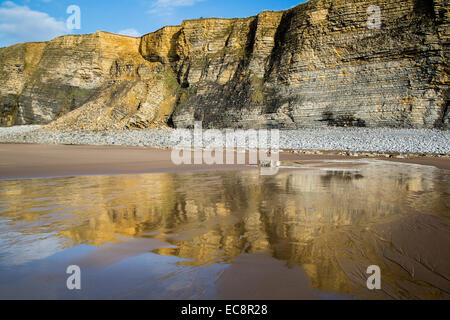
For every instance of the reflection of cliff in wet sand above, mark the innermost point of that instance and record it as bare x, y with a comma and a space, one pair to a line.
332, 223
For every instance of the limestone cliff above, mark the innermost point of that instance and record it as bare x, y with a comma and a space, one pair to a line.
102, 73
317, 64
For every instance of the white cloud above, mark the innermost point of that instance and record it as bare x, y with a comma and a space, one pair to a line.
21, 24
130, 32
166, 6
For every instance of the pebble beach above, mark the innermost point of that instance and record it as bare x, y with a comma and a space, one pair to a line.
330, 139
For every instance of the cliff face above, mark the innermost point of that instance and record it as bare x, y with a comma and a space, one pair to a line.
317, 64
95, 81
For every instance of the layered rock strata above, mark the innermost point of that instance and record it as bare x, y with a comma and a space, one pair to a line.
317, 64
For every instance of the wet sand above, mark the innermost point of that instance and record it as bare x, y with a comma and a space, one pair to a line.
24, 161
302, 234
440, 162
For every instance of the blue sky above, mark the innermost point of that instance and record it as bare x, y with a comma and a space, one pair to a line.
42, 20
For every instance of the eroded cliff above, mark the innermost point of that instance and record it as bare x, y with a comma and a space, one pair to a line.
317, 64
95, 81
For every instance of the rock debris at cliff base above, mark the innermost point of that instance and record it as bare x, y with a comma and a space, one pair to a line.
333, 139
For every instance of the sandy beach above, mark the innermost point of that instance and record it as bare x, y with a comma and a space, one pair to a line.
23, 161
201, 232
